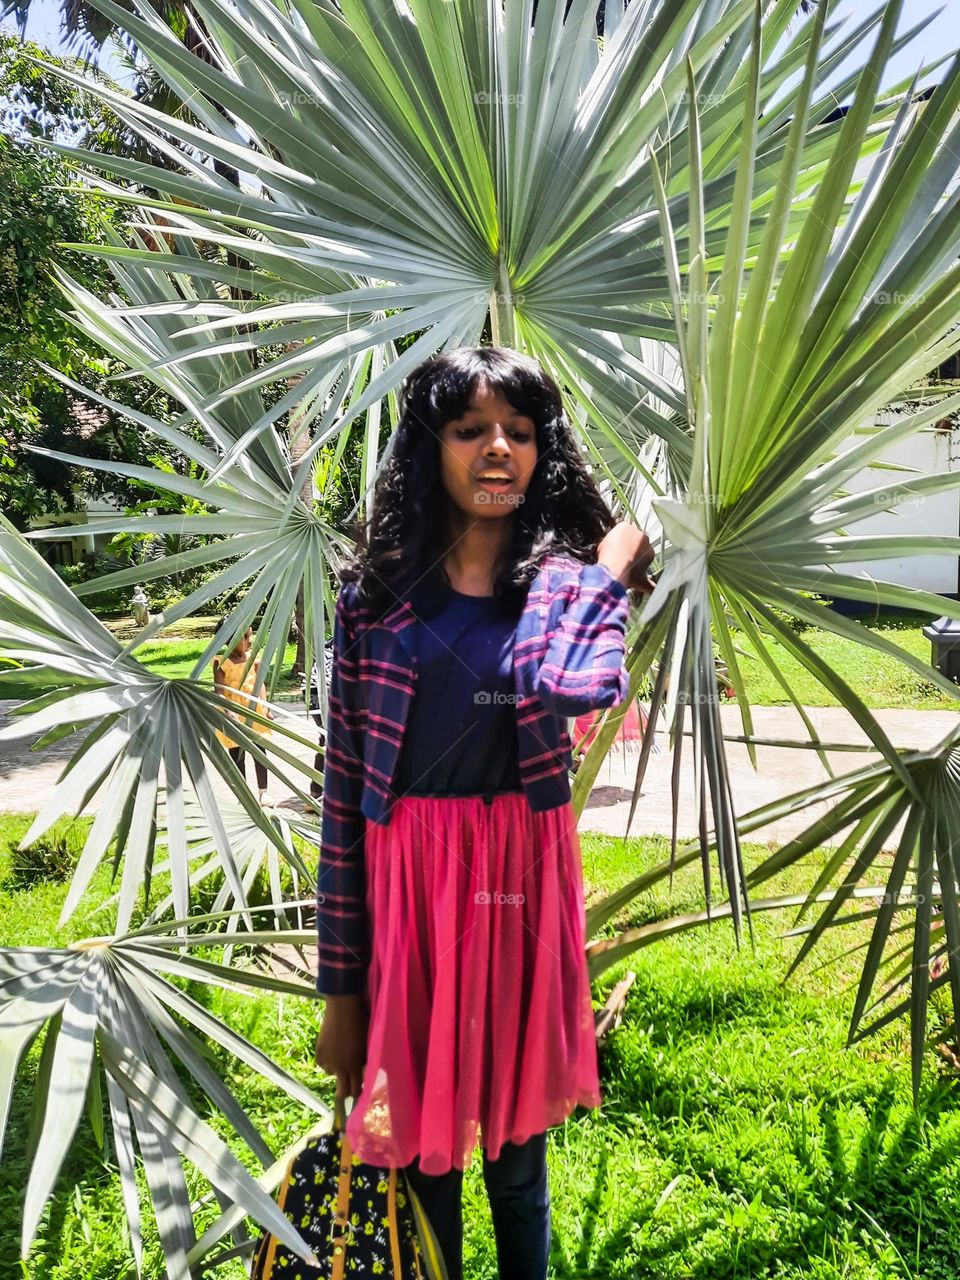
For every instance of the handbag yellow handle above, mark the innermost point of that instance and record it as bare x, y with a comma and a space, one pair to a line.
340, 1113
341, 1228
342, 1217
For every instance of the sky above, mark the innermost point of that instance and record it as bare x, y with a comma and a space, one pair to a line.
941, 36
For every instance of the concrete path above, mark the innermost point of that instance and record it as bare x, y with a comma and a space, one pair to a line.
25, 777
780, 771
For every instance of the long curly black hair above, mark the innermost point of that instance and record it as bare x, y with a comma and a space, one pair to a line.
404, 536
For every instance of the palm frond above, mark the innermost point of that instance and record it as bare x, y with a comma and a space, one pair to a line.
109, 1010
142, 730
870, 805
760, 521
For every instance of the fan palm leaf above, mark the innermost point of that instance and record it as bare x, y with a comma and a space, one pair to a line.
764, 518
142, 729
917, 923
253, 851
479, 166
109, 1010
468, 164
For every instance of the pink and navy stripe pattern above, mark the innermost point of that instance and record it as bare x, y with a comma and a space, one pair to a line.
568, 659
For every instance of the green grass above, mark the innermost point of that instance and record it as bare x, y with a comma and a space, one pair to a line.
880, 680
173, 658
738, 1137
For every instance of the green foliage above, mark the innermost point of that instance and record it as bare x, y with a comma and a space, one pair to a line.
796, 623
37, 210
53, 857
738, 1136
881, 679
38, 104
106, 603
42, 205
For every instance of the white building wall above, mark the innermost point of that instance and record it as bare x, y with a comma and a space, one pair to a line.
927, 452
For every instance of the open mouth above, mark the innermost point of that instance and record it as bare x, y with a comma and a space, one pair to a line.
495, 484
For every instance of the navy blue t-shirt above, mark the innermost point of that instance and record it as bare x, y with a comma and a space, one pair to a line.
461, 733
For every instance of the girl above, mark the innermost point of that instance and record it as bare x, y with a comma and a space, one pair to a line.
487, 604
230, 684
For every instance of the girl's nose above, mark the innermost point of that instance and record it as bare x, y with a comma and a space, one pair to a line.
499, 444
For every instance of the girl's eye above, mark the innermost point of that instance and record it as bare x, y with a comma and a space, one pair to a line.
466, 433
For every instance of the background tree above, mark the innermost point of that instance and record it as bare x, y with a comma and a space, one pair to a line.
42, 204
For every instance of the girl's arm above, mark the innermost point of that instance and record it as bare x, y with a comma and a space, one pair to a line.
343, 944
260, 706
583, 666
220, 686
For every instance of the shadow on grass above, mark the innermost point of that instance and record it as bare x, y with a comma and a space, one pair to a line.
61, 1232
158, 661
870, 1194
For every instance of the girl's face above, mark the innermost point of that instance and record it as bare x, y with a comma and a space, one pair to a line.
491, 437
244, 643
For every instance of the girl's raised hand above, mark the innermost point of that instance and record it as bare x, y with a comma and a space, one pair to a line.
628, 553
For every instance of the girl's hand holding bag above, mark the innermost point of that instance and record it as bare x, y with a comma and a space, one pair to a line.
359, 1220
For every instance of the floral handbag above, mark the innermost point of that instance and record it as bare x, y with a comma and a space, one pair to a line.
359, 1220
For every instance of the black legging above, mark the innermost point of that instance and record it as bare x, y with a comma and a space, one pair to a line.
239, 758
516, 1185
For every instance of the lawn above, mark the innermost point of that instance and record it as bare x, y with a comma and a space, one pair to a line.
176, 658
738, 1136
173, 657
880, 680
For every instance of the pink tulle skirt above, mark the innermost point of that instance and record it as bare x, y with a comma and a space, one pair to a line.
632, 728
481, 1020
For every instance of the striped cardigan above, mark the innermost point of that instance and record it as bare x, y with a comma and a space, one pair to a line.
568, 658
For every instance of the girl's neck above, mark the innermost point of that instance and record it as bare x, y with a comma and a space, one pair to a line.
474, 550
